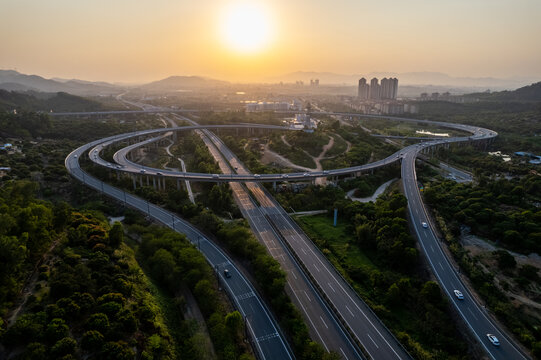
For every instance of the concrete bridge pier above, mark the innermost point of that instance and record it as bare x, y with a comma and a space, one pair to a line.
148, 180
134, 182
274, 186
141, 181
154, 182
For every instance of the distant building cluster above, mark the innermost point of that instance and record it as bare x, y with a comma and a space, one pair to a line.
387, 90
272, 105
386, 108
303, 121
314, 82
446, 96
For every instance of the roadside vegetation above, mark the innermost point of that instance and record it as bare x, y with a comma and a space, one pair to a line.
503, 215
373, 250
88, 299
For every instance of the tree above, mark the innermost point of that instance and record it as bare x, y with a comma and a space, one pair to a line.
505, 260
234, 322
431, 292
116, 235
63, 347
92, 341
56, 330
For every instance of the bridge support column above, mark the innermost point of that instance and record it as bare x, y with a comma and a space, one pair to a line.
163, 184
154, 182
148, 180
134, 182
178, 184
141, 181
274, 186
159, 185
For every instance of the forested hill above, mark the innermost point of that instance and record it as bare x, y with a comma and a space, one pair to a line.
57, 102
530, 93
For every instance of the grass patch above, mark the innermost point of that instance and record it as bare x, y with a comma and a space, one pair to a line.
339, 146
337, 239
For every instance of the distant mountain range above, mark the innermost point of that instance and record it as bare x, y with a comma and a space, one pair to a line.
14, 81
180, 83
410, 84
530, 93
410, 78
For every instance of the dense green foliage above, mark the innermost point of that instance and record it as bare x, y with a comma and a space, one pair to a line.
518, 125
24, 124
89, 301
501, 210
177, 264
27, 228
373, 250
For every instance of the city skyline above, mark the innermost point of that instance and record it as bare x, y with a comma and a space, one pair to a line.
145, 41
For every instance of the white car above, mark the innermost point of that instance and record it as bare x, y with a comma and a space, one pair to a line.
458, 294
493, 339
285, 176
425, 225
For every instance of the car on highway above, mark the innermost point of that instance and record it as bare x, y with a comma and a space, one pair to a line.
215, 176
425, 225
75, 156
285, 176
493, 339
306, 174
142, 171
257, 176
459, 294
227, 274
325, 172
159, 174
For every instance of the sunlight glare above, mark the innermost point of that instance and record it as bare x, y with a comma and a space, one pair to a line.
246, 27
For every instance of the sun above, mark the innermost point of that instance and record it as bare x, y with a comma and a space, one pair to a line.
246, 27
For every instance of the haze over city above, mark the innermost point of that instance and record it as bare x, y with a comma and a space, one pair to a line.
241, 41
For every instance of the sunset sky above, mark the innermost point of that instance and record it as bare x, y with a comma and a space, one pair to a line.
143, 40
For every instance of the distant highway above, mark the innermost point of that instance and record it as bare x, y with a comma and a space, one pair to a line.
474, 316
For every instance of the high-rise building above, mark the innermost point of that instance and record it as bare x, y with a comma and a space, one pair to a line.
364, 89
394, 88
385, 89
375, 92
389, 88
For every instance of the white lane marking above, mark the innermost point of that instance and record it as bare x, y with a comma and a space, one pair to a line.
323, 321
441, 266
308, 297
472, 314
350, 311
304, 251
432, 247
343, 353
331, 287
372, 340
295, 276
349, 297
316, 268
311, 322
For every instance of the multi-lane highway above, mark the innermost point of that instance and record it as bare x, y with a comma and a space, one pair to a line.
266, 337
326, 279
474, 315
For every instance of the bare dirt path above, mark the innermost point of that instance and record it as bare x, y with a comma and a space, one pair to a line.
29, 285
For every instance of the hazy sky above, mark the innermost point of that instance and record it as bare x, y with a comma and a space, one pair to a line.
144, 40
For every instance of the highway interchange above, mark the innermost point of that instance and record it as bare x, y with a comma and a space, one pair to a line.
360, 324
